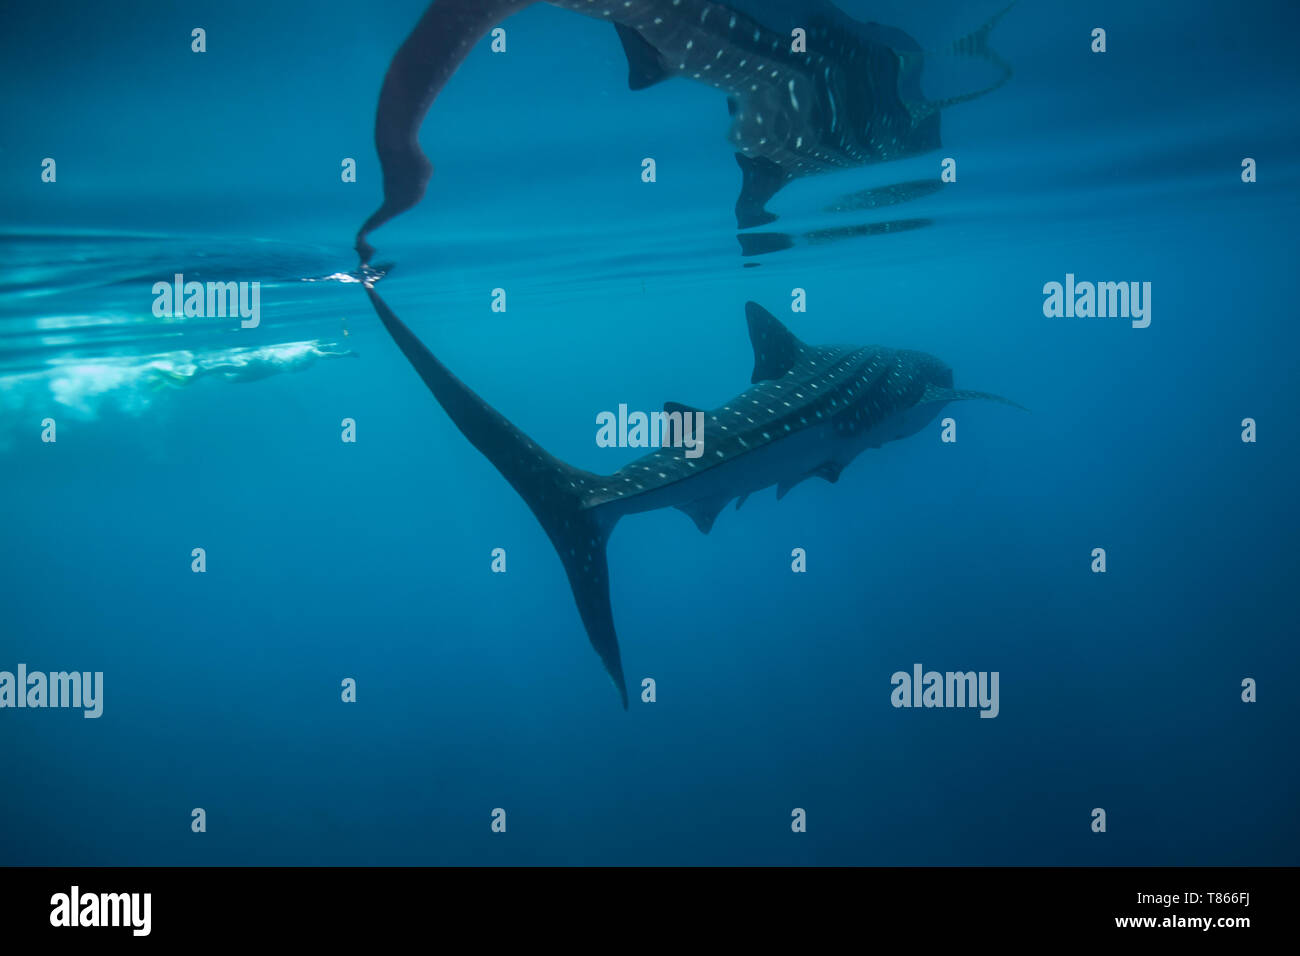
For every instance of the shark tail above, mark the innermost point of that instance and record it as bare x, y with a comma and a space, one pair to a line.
419, 70
974, 45
552, 489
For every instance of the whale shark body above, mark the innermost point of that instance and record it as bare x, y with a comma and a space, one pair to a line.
843, 94
810, 411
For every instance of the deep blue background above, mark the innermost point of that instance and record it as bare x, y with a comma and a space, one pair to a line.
477, 690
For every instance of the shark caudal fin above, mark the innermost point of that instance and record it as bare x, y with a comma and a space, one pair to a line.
420, 69
555, 491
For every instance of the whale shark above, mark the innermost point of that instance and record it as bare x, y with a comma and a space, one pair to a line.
809, 89
810, 411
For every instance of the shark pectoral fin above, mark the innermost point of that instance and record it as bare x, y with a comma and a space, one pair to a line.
761, 179
704, 511
775, 347
964, 395
645, 67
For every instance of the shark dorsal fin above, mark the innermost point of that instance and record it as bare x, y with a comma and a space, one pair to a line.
645, 67
775, 347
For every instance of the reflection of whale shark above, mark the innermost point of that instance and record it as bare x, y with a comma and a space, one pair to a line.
890, 195
762, 243
811, 411
841, 94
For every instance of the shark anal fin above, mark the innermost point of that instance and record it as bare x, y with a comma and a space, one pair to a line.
645, 67
704, 511
741, 500
761, 179
775, 347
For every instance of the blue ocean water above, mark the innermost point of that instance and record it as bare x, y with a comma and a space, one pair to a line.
371, 560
